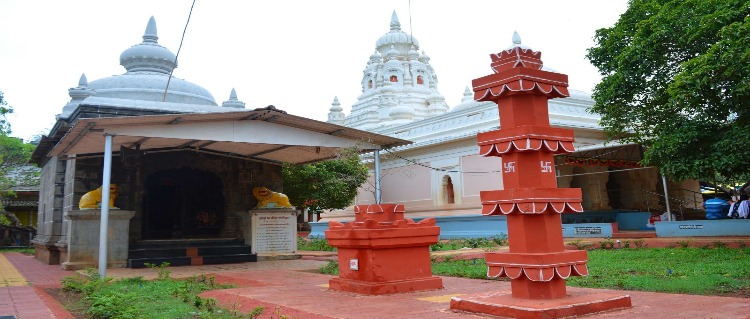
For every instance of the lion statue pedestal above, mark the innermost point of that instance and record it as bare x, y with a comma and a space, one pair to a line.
83, 238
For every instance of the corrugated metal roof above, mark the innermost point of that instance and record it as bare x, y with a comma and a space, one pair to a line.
265, 134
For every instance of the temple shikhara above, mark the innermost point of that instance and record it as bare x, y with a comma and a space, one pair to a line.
444, 170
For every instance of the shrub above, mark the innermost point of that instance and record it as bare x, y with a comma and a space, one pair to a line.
162, 272
607, 244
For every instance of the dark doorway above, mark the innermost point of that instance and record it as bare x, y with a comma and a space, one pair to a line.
182, 203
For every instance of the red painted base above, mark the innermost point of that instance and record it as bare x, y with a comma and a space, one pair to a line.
387, 287
575, 304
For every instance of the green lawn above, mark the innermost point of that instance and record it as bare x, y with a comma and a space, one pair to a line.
698, 271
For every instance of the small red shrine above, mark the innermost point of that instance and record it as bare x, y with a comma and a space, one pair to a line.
537, 262
380, 252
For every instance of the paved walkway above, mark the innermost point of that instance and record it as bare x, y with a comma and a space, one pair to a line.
22, 283
293, 289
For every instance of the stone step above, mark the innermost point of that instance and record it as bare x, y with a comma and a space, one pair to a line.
193, 261
186, 252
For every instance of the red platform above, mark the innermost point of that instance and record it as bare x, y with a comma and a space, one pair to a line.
383, 253
574, 304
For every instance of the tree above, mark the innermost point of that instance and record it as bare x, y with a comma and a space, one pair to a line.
15, 169
676, 79
325, 185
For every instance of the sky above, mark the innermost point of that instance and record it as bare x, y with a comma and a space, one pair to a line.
294, 54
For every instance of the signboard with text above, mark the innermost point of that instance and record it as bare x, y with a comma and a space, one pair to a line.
274, 232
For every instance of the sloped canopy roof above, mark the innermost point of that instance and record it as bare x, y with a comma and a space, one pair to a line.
266, 135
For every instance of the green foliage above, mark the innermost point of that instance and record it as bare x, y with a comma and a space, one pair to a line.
325, 185
314, 244
488, 243
640, 243
675, 79
138, 298
15, 169
676, 270
580, 244
331, 268
162, 271
467, 268
25, 251
684, 243
607, 244
5, 109
4, 220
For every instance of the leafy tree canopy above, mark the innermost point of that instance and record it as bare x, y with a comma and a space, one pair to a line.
676, 78
15, 169
325, 185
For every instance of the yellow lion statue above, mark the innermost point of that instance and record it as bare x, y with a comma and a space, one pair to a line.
270, 199
93, 199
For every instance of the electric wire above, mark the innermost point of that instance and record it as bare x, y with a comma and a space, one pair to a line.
169, 79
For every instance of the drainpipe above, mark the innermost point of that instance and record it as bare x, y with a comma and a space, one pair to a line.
377, 176
104, 223
666, 197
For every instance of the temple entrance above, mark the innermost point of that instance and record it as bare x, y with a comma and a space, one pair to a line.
182, 203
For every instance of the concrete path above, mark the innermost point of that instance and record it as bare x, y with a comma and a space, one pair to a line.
292, 288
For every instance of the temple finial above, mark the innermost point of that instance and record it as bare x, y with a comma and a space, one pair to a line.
516, 38
150, 34
395, 25
83, 82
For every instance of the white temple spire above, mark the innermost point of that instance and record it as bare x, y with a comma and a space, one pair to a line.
395, 25
150, 34
336, 116
517, 42
233, 101
516, 38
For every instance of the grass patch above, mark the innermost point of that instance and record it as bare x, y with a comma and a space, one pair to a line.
23, 250
676, 270
467, 268
314, 244
697, 271
139, 298
488, 243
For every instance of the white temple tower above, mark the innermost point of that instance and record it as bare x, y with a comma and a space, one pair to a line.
398, 85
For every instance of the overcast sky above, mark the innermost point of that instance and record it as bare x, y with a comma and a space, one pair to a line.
294, 54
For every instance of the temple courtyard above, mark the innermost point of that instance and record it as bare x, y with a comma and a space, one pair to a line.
295, 289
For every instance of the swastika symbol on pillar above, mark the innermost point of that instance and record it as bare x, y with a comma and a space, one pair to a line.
509, 167
546, 166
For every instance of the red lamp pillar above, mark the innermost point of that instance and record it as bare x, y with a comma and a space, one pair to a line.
536, 262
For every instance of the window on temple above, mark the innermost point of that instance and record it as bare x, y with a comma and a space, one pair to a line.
448, 193
420, 80
394, 78
369, 84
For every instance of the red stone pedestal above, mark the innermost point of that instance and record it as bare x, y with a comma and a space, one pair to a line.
383, 253
574, 304
536, 261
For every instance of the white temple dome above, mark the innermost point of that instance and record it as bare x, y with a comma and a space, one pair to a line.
149, 55
148, 66
396, 37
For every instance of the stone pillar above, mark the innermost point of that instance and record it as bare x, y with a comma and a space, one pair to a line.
83, 239
383, 253
536, 262
50, 214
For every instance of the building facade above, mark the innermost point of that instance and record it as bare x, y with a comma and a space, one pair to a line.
442, 172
